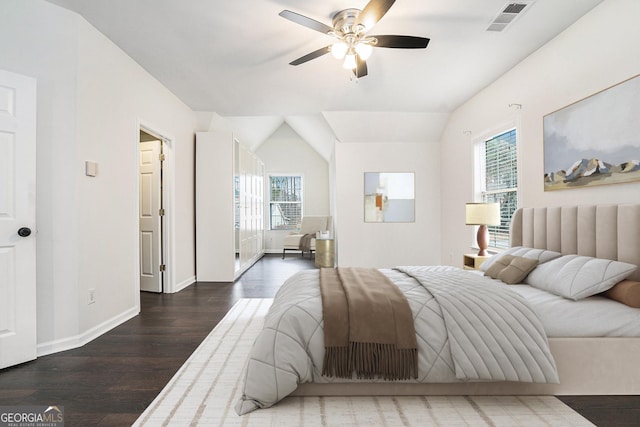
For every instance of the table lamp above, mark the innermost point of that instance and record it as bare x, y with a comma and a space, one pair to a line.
482, 214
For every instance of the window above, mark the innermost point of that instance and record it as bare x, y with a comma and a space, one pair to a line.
285, 202
499, 182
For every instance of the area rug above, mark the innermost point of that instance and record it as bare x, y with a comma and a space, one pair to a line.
205, 389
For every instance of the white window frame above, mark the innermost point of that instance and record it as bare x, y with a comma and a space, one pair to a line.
293, 226
498, 236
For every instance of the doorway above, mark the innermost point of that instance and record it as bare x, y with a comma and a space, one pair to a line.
151, 212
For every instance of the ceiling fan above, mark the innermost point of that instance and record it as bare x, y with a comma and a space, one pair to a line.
350, 27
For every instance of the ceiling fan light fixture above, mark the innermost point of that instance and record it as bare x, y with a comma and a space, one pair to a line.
364, 50
349, 61
339, 49
352, 44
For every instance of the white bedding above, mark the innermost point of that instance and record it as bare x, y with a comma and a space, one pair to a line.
465, 332
595, 316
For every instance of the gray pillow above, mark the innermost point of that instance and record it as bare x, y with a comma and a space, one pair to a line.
576, 277
542, 255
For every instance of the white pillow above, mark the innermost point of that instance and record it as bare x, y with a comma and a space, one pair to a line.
542, 255
576, 277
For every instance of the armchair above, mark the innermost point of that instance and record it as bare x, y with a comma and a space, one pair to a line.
309, 226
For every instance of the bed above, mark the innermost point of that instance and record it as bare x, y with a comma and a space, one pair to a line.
591, 357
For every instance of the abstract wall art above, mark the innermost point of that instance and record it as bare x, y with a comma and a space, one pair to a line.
594, 141
389, 197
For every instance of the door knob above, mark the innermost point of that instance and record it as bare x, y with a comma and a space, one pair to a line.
24, 232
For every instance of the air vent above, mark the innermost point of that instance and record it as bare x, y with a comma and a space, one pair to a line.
507, 15
514, 8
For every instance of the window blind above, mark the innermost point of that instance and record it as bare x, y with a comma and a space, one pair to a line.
501, 183
285, 202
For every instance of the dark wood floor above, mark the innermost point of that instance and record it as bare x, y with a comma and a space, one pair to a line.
110, 381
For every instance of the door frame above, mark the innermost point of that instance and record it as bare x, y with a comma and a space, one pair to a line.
168, 184
153, 281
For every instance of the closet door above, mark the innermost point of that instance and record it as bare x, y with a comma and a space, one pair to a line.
215, 241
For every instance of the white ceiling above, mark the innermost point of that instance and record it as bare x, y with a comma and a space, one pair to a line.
232, 57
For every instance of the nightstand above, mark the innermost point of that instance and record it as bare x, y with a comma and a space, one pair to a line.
473, 261
325, 253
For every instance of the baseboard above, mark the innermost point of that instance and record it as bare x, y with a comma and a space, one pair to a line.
76, 341
273, 251
184, 284
249, 264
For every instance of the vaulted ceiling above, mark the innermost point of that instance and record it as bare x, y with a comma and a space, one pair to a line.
232, 58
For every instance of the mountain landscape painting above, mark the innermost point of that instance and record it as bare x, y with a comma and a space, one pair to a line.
594, 141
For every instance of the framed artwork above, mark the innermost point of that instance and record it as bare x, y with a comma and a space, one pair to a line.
594, 141
389, 197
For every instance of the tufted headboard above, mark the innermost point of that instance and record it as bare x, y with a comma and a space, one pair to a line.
601, 231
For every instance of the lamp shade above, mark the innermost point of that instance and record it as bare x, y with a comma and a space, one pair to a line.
339, 50
364, 50
349, 61
482, 214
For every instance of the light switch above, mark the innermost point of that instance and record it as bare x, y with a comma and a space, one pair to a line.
90, 168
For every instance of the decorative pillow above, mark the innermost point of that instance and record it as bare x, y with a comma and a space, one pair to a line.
542, 255
511, 269
577, 277
517, 270
626, 292
498, 265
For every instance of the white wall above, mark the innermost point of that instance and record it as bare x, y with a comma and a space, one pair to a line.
90, 98
361, 244
598, 51
114, 93
50, 57
285, 152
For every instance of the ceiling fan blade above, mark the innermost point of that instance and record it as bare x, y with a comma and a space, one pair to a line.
373, 12
307, 22
313, 55
361, 67
402, 42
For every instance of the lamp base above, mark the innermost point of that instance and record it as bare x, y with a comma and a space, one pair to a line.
483, 240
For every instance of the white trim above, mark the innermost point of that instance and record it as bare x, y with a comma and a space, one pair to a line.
239, 272
183, 285
267, 199
76, 341
168, 180
514, 122
487, 134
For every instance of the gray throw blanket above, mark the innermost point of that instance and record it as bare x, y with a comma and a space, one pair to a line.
368, 326
305, 242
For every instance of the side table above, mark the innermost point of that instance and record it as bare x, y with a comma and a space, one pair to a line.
473, 261
325, 253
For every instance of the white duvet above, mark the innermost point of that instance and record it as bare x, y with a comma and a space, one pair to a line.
463, 334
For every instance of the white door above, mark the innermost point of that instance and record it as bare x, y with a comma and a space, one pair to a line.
150, 218
17, 219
